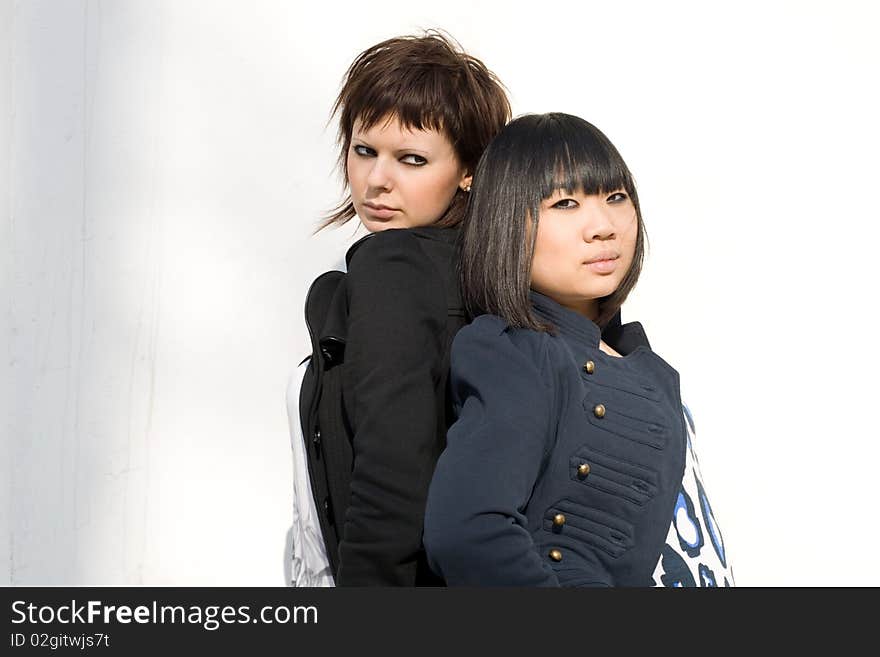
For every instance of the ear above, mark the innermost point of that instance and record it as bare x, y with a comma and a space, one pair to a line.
465, 182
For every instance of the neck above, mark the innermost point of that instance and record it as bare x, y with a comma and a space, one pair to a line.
588, 308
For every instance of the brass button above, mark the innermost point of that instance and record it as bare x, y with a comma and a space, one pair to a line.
559, 520
584, 469
589, 367
556, 555
599, 410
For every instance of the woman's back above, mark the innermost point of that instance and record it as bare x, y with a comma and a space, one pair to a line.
415, 113
382, 415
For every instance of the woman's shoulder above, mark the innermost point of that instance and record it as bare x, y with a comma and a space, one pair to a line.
495, 334
390, 275
418, 245
493, 326
504, 363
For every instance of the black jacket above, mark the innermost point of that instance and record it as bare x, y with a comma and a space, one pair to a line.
374, 405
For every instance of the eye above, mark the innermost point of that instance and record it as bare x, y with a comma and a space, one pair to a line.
363, 151
415, 160
617, 197
565, 204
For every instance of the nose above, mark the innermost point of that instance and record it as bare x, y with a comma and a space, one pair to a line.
598, 224
379, 177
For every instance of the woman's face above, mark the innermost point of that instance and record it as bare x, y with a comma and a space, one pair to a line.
584, 247
401, 178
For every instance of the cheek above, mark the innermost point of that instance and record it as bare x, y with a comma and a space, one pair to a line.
549, 259
539, 276
433, 194
628, 239
555, 243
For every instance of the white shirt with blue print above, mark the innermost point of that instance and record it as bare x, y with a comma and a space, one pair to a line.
694, 554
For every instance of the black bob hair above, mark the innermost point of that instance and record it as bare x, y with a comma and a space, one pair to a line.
531, 158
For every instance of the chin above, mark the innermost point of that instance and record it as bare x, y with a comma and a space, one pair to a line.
604, 288
601, 294
594, 292
374, 226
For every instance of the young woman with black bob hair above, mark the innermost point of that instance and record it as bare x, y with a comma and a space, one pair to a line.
571, 461
415, 114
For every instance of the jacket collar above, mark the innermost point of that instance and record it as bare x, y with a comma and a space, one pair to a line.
581, 332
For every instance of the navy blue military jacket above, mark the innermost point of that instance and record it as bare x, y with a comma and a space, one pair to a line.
564, 464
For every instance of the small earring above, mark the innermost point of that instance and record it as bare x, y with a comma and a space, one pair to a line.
467, 189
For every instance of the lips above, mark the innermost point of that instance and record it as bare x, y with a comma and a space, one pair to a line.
378, 211
604, 255
603, 263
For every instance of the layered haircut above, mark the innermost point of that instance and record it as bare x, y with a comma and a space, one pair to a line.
530, 159
426, 83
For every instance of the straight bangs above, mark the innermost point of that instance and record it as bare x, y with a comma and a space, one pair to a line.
574, 156
417, 100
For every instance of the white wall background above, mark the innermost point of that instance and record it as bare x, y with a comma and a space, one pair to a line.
163, 165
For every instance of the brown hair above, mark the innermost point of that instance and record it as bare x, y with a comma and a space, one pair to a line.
427, 83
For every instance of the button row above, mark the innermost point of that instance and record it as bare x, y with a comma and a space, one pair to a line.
583, 469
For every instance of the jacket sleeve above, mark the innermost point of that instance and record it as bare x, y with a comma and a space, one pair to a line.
393, 359
476, 532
